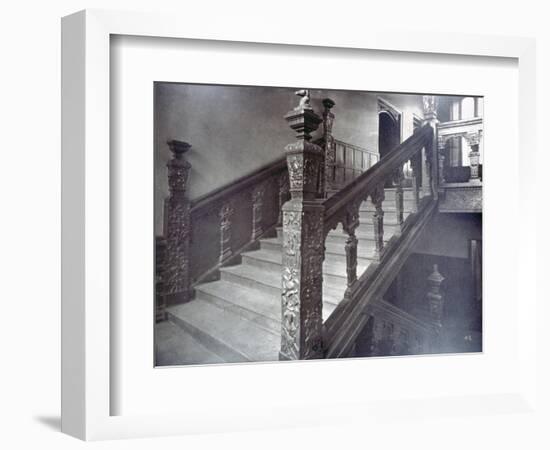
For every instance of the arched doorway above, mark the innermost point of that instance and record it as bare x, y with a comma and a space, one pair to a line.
389, 133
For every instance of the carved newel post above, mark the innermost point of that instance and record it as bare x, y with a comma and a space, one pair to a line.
303, 241
176, 274
435, 302
327, 174
430, 163
473, 142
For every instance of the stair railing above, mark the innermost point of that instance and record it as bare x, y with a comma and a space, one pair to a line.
307, 219
202, 235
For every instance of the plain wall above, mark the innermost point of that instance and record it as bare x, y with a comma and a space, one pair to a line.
235, 130
449, 235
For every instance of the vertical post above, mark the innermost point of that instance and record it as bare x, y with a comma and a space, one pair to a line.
431, 159
350, 224
303, 241
160, 259
327, 173
257, 210
435, 303
377, 197
226, 212
283, 195
398, 179
473, 142
441, 142
416, 174
176, 273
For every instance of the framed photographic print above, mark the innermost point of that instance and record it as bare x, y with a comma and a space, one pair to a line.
249, 246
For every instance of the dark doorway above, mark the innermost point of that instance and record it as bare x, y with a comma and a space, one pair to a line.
389, 135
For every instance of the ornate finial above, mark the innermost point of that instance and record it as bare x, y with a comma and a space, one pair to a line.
303, 119
178, 168
328, 103
436, 278
430, 106
472, 139
304, 101
178, 148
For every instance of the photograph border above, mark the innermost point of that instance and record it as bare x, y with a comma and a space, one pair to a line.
86, 193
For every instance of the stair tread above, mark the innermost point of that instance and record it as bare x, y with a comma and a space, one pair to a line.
364, 249
175, 346
332, 292
329, 267
243, 336
262, 303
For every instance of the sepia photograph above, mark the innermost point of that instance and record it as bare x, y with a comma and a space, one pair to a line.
296, 223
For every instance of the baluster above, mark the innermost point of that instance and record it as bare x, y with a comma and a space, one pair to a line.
176, 274
473, 142
226, 212
283, 195
398, 179
303, 241
430, 159
327, 173
258, 194
415, 167
435, 303
441, 142
350, 224
377, 197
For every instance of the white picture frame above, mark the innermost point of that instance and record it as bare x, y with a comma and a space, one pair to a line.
86, 325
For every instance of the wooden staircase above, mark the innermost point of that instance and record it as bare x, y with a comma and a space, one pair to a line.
238, 317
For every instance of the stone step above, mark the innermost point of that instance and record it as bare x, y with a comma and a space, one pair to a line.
269, 282
249, 303
390, 217
365, 249
386, 207
174, 346
334, 267
231, 337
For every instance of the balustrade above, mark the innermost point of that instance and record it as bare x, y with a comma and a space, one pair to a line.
307, 219
469, 131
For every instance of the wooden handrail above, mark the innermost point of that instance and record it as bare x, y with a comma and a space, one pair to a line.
203, 203
376, 174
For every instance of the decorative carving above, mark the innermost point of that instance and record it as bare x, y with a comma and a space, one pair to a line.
435, 297
176, 273
429, 103
473, 140
398, 179
377, 197
327, 174
303, 242
226, 212
350, 224
302, 280
160, 258
284, 194
416, 173
304, 101
258, 194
